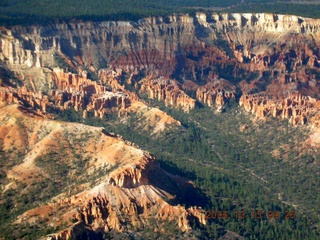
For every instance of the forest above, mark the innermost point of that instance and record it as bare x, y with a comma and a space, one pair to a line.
28, 12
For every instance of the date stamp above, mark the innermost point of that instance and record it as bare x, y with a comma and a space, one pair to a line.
253, 214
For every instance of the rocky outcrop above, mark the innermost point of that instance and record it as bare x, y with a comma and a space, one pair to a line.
168, 91
100, 214
115, 188
295, 107
72, 90
134, 175
78, 91
216, 93
82, 94
267, 22
36, 101
15, 51
279, 48
122, 41
8, 96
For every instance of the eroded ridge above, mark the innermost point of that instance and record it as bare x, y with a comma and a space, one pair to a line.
295, 107
167, 90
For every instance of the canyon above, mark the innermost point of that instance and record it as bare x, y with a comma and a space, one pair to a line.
266, 65
200, 48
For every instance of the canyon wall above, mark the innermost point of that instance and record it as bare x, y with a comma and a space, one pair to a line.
72, 90
280, 50
157, 42
123, 44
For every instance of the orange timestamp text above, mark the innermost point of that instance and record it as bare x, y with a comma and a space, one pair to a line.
253, 214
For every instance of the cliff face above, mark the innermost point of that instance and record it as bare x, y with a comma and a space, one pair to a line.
156, 38
157, 43
7, 96
36, 101
168, 43
282, 51
217, 92
168, 91
81, 93
199, 48
72, 90
115, 42
296, 108
256, 52
78, 92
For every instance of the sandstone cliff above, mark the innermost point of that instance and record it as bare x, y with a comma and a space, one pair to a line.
159, 43
217, 92
168, 91
279, 49
121, 41
108, 96
177, 46
81, 93
293, 106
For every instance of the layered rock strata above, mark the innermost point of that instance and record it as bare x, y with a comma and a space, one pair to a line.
78, 92
295, 107
180, 46
190, 47
158, 42
73, 90
216, 93
81, 93
168, 91
36, 101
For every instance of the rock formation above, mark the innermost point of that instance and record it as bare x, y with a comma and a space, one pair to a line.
275, 47
73, 90
8, 96
36, 101
157, 43
168, 91
122, 196
110, 96
276, 55
216, 92
176, 46
81, 93
292, 106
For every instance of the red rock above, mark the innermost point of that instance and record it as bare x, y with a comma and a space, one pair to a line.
217, 92
75, 90
292, 106
167, 90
